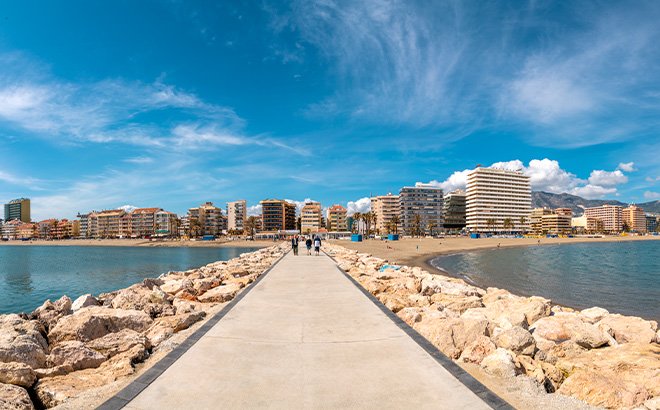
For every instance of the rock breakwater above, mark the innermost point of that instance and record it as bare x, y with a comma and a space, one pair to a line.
65, 348
607, 360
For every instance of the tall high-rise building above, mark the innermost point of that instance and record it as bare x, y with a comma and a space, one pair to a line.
236, 215
420, 209
206, 219
18, 209
336, 219
609, 217
278, 215
635, 218
454, 210
498, 200
385, 207
311, 217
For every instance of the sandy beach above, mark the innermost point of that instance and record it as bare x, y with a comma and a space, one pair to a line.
418, 251
141, 243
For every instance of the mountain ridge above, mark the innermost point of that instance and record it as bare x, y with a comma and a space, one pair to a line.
542, 199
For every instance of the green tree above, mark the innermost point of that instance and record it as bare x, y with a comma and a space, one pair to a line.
417, 225
357, 217
431, 226
395, 221
490, 222
508, 224
523, 220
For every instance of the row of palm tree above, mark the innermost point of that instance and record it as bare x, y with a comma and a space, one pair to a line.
507, 223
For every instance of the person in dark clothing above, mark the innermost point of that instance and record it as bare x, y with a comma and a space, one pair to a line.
317, 245
308, 243
294, 244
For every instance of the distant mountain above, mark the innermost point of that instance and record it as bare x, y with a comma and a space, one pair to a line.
577, 204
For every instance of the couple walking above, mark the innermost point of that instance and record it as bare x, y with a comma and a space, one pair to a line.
308, 243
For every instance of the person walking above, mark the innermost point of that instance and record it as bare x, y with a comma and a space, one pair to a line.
308, 243
317, 245
294, 244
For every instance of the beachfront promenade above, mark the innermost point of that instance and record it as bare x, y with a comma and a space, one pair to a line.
305, 336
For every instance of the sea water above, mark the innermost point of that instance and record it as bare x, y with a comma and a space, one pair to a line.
31, 274
623, 277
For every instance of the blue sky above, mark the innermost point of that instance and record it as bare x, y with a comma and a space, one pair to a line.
169, 104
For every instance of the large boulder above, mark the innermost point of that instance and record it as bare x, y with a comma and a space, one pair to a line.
84, 301
19, 374
629, 329
451, 335
76, 355
93, 322
165, 327
22, 341
147, 297
220, 294
593, 315
614, 377
14, 398
50, 312
476, 350
568, 326
432, 284
457, 303
113, 344
516, 339
501, 302
499, 363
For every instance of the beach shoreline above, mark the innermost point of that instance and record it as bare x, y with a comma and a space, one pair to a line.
238, 243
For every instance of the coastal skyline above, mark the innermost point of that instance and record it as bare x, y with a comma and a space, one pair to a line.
183, 103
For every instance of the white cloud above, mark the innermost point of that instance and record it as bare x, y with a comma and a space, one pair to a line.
651, 195
128, 208
22, 180
361, 205
139, 160
300, 204
605, 178
254, 210
652, 180
592, 191
627, 166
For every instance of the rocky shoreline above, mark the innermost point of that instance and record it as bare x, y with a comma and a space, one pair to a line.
66, 348
606, 360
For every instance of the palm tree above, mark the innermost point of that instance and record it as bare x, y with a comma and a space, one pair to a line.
417, 225
250, 227
356, 222
394, 221
508, 224
523, 220
490, 222
431, 226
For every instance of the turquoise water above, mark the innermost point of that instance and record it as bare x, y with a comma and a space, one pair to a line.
31, 274
623, 277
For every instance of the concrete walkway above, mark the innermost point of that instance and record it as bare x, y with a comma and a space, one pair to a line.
306, 337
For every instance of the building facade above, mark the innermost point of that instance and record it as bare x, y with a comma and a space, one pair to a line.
206, 219
385, 208
497, 200
584, 224
609, 217
453, 210
143, 222
634, 218
166, 224
236, 215
277, 215
556, 224
651, 223
18, 209
536, 220
311, 217
111, 223
421, 209
336, 219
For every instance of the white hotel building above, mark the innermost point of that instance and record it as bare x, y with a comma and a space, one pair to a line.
496, 195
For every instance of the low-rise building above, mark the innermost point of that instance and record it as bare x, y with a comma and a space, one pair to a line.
166, 224
10, 229
584, 224
536, 220
556, 224
336, 217
26, 231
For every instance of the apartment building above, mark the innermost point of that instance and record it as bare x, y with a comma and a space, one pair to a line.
112, 223
166, 224
336, 219
236, 215
10, 229
277, 215
635, 218
556, 224
536, 219
26, 230
46, 228
651, 223
143, 222
311, 218
609, 217
497, 200
18, 209
584, 224
207, 219
420, 209
385, 207
453, 210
